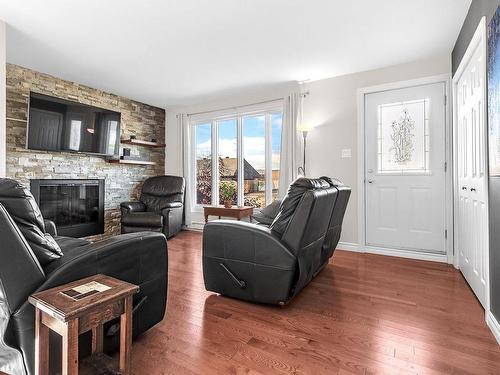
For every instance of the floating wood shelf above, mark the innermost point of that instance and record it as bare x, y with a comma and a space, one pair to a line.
136, 162
138, 142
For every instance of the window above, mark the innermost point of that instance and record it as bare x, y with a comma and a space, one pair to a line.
242, 150
403, 137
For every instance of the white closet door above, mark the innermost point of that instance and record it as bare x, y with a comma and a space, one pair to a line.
472, 189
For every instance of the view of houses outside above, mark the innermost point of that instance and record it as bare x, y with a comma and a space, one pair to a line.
254, 158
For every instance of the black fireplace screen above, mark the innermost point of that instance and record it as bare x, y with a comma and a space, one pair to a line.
76, 206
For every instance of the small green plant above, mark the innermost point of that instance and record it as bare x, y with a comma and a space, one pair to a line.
227, 190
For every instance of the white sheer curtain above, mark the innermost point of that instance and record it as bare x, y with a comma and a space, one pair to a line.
290, 142
185, 167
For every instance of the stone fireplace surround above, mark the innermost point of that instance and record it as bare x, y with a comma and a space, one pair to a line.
122, 182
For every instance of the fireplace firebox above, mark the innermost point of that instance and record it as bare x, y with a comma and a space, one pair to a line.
76, 206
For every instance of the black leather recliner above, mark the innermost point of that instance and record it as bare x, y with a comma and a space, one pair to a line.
160, 207
33, 258
273, 264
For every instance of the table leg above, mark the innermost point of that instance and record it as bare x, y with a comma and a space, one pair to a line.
126, 337
41, 345
206, 219
70, 348
97, 338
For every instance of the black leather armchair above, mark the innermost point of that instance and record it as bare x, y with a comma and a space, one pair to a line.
32, 260
160, 207
273, 264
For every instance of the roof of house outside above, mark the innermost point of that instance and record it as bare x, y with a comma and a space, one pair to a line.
231, 165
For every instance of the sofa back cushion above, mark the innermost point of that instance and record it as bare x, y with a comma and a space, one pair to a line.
21, 206
158, 192
290, 202
20, 271
302, 224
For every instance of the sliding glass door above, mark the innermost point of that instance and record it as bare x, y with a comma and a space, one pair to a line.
242, 150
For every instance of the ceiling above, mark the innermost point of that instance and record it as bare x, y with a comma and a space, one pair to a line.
175, 52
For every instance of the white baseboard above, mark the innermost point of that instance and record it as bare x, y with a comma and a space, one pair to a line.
348, 246
494, 325
411, 254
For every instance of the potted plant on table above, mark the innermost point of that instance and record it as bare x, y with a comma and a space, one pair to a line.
227, 190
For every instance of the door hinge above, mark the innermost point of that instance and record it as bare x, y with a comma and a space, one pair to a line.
445, 166
446, 234
445, 100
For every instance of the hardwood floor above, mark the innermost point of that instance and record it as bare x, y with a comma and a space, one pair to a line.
364, 314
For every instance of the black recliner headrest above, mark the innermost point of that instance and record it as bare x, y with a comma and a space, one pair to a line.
161, 186
12, 188
22, 207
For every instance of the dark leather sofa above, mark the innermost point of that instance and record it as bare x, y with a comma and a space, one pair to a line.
272, 264
34, 258
160, 207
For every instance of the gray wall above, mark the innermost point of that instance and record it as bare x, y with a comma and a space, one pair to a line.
478, 9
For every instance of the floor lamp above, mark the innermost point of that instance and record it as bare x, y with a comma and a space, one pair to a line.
304, 129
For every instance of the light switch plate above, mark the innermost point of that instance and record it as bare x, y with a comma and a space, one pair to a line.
346, 153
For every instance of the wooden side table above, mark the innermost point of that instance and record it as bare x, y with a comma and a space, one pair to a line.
221, 211
69, 317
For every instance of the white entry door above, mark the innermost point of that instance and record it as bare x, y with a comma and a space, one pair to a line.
405, 174
471, 190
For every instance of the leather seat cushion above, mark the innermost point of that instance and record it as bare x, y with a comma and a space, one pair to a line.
267, 214
22, 207
68, 243
143, 219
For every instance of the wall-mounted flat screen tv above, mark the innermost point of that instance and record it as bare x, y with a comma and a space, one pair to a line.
61, 125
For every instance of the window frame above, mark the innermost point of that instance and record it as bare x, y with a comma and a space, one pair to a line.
213, 118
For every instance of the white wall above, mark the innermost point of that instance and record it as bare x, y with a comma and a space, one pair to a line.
332, 108
3, 61
173, 163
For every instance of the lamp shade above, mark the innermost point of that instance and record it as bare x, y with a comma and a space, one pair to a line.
305, 127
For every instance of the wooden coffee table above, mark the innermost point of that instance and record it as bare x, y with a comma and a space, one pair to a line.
58, 311
221, 211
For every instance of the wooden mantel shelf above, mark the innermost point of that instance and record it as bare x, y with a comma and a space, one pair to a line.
138, 142
136, 162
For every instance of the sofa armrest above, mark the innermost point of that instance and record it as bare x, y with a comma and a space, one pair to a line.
128, 207
239, 240
246, 261
172, 218
172, 205
135, 258
50, 227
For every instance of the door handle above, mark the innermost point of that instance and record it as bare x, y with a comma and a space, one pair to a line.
370, 181
472, 189
464, 188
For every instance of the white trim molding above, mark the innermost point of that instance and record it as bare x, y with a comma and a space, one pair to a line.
413, 254
349, 246
494, 325
409, 254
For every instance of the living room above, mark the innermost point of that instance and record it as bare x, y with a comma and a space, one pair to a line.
263, 187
